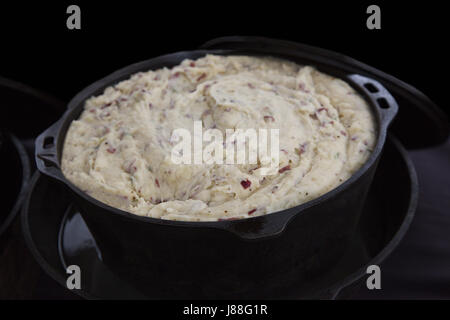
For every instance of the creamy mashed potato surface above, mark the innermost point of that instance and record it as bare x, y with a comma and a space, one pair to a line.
119, 150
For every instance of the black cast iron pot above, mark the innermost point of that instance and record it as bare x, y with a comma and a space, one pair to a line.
249, 258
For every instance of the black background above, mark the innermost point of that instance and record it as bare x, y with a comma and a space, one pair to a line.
38, 49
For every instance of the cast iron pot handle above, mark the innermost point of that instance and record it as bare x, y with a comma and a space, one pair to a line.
378, 96
46, 153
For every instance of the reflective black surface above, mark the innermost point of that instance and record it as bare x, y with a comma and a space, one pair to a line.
58, 236
15, 173
24, 112
420, 267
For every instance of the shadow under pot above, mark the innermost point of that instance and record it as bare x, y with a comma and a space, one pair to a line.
257, 257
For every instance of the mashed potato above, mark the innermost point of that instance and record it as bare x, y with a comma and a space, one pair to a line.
119, 150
